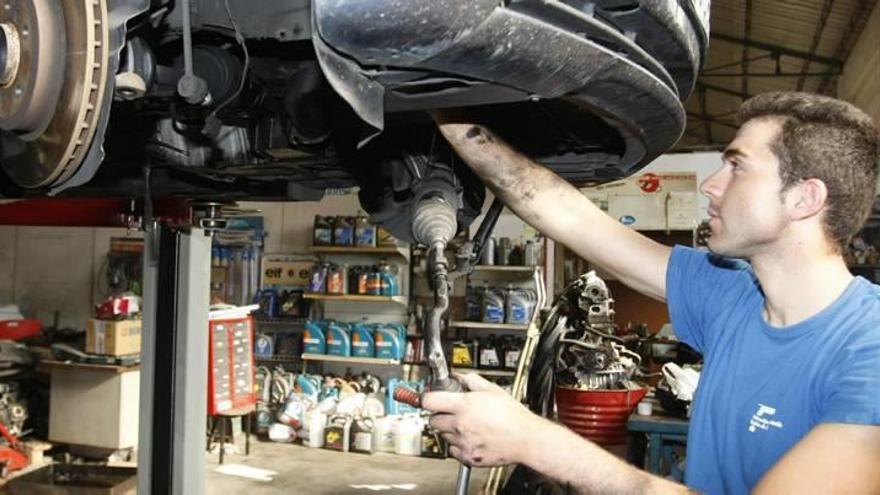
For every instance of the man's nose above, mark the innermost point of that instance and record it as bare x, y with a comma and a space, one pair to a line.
711, 187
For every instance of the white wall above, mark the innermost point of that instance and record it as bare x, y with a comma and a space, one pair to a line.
704, 164
49, 269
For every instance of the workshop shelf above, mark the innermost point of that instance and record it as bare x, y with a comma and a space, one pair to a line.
402, 251
349, 359
505, 268
485, 372
487, 326
402, 300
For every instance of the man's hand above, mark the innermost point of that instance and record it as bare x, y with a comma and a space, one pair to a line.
485, 426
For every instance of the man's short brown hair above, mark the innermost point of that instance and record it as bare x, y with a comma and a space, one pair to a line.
826, 139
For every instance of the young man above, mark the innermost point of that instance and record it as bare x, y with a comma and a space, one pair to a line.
789, 398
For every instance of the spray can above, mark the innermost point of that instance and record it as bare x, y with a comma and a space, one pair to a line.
488, 257
531, 253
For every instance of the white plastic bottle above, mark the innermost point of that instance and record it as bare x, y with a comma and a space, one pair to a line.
408, 440
384, 433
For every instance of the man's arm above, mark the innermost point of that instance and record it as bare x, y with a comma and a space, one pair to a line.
832, 458
557, 209
487, 427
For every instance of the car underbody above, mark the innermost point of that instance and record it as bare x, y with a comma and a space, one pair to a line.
282, 99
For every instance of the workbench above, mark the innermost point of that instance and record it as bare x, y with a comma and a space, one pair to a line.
660, 436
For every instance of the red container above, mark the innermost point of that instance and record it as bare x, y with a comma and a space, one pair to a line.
597, 415
20, 329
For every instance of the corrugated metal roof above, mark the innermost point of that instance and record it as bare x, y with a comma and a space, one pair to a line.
788, 25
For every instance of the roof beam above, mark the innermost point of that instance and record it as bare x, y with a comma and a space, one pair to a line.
832, 62
817, 36
719, 89
745, 53
850, 35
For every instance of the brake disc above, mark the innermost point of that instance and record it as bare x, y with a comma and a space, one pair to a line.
53, 68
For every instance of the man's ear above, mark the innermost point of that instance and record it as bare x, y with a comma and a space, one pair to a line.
808, 198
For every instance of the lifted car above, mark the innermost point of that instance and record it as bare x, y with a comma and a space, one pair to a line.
281, 99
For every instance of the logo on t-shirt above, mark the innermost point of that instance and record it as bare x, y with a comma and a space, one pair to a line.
760, 419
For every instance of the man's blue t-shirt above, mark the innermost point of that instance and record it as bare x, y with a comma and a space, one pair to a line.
764, 388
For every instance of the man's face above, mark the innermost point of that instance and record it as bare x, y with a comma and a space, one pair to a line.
746, 210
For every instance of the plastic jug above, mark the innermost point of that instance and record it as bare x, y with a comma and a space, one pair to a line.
364, 232
336, 433
388, 343
384, 432
323, 231
362, 342
362, 436
493, 306
517, 307
343, 231
314, 338
338, 339
312, 432
408, 437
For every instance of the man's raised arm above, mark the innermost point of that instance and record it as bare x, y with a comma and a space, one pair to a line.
558, 209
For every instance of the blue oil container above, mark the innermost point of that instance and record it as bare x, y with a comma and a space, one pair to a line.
338, 339
362, 342
389, 345
314, 338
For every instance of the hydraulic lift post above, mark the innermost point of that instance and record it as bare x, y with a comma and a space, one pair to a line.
174, 361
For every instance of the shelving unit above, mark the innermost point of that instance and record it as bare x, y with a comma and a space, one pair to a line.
352, 360
485, 372
505, 268
487, 326
278, 359
402, 251
358, 307
403, 300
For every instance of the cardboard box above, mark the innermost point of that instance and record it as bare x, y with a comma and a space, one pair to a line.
114, 338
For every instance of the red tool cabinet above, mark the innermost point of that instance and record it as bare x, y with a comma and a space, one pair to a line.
230, 365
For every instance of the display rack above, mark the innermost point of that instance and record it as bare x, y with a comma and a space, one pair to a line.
487, 326
349, 359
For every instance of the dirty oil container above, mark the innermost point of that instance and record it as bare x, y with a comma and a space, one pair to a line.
314, 338
490, 354
361, 435
337, 432
363, 343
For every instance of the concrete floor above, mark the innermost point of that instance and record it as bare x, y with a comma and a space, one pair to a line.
318, 471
